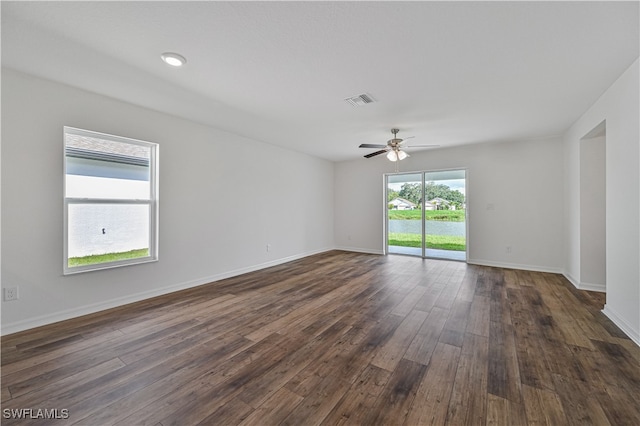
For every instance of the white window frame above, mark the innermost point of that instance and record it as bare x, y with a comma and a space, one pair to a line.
152, 202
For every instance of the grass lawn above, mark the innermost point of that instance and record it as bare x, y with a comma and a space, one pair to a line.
440, 242
108, 257
445, 215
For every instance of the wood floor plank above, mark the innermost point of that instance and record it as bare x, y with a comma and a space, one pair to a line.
230, 413
410, 301
468, 284
285, 320
533, 368
503, 372
69, 384
578, 406
131, 381
624, 365
425, 341
452, 337
183, 371
358, 402
434, 393
393, 404
348, 357
274, 410
542, 407
429, 298
6, 395
613, 384
319, 402
458, 316
499, 309
479, 315
33, 360
448, 294
389, 355
215, 385
260, 389
337, 338
469, 395
501, 411
58, 369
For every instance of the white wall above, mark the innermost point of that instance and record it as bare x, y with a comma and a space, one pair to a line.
222, 199
593, 252
514, 198
619, 106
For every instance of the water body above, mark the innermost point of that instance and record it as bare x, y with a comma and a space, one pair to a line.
107, 228
432, 227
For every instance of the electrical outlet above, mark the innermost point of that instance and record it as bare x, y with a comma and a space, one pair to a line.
508, 249
10, 293
268, 247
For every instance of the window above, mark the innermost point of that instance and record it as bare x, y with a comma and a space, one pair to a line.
110, 201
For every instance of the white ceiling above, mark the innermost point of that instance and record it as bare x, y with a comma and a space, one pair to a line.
448, 73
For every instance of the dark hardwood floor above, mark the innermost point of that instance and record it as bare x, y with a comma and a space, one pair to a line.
336, 338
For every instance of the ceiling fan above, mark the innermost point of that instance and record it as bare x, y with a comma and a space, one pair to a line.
393, 148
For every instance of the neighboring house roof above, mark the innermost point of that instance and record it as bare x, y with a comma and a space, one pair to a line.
398, 201
94, 148
95, 144
439, 200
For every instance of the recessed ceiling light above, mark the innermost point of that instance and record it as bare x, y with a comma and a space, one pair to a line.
173, 59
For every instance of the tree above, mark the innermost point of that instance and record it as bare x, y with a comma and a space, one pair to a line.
434, 190
411, 192
391, 194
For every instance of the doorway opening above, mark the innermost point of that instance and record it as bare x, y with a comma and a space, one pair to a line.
593, 264
426, 214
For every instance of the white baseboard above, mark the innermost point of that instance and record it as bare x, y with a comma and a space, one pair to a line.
622, 324
601, 288
571, 279
360, 250
14, 327
514, 266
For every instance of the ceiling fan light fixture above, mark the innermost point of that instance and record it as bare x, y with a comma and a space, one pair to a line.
397, 155
173, 59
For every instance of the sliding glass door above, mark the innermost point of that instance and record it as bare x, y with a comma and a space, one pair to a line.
405, 233
426, 214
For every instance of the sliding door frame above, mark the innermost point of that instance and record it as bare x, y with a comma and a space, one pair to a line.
423, 183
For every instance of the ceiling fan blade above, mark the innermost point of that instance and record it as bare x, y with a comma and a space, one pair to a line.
420, 146
371, 145
373, 154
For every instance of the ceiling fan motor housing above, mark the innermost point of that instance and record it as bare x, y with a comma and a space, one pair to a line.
394, 142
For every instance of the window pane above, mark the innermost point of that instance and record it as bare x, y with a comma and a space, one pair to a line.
106, 188
96, 229
99, 169
404, 204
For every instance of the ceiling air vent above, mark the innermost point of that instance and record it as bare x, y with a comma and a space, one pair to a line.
360, 100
